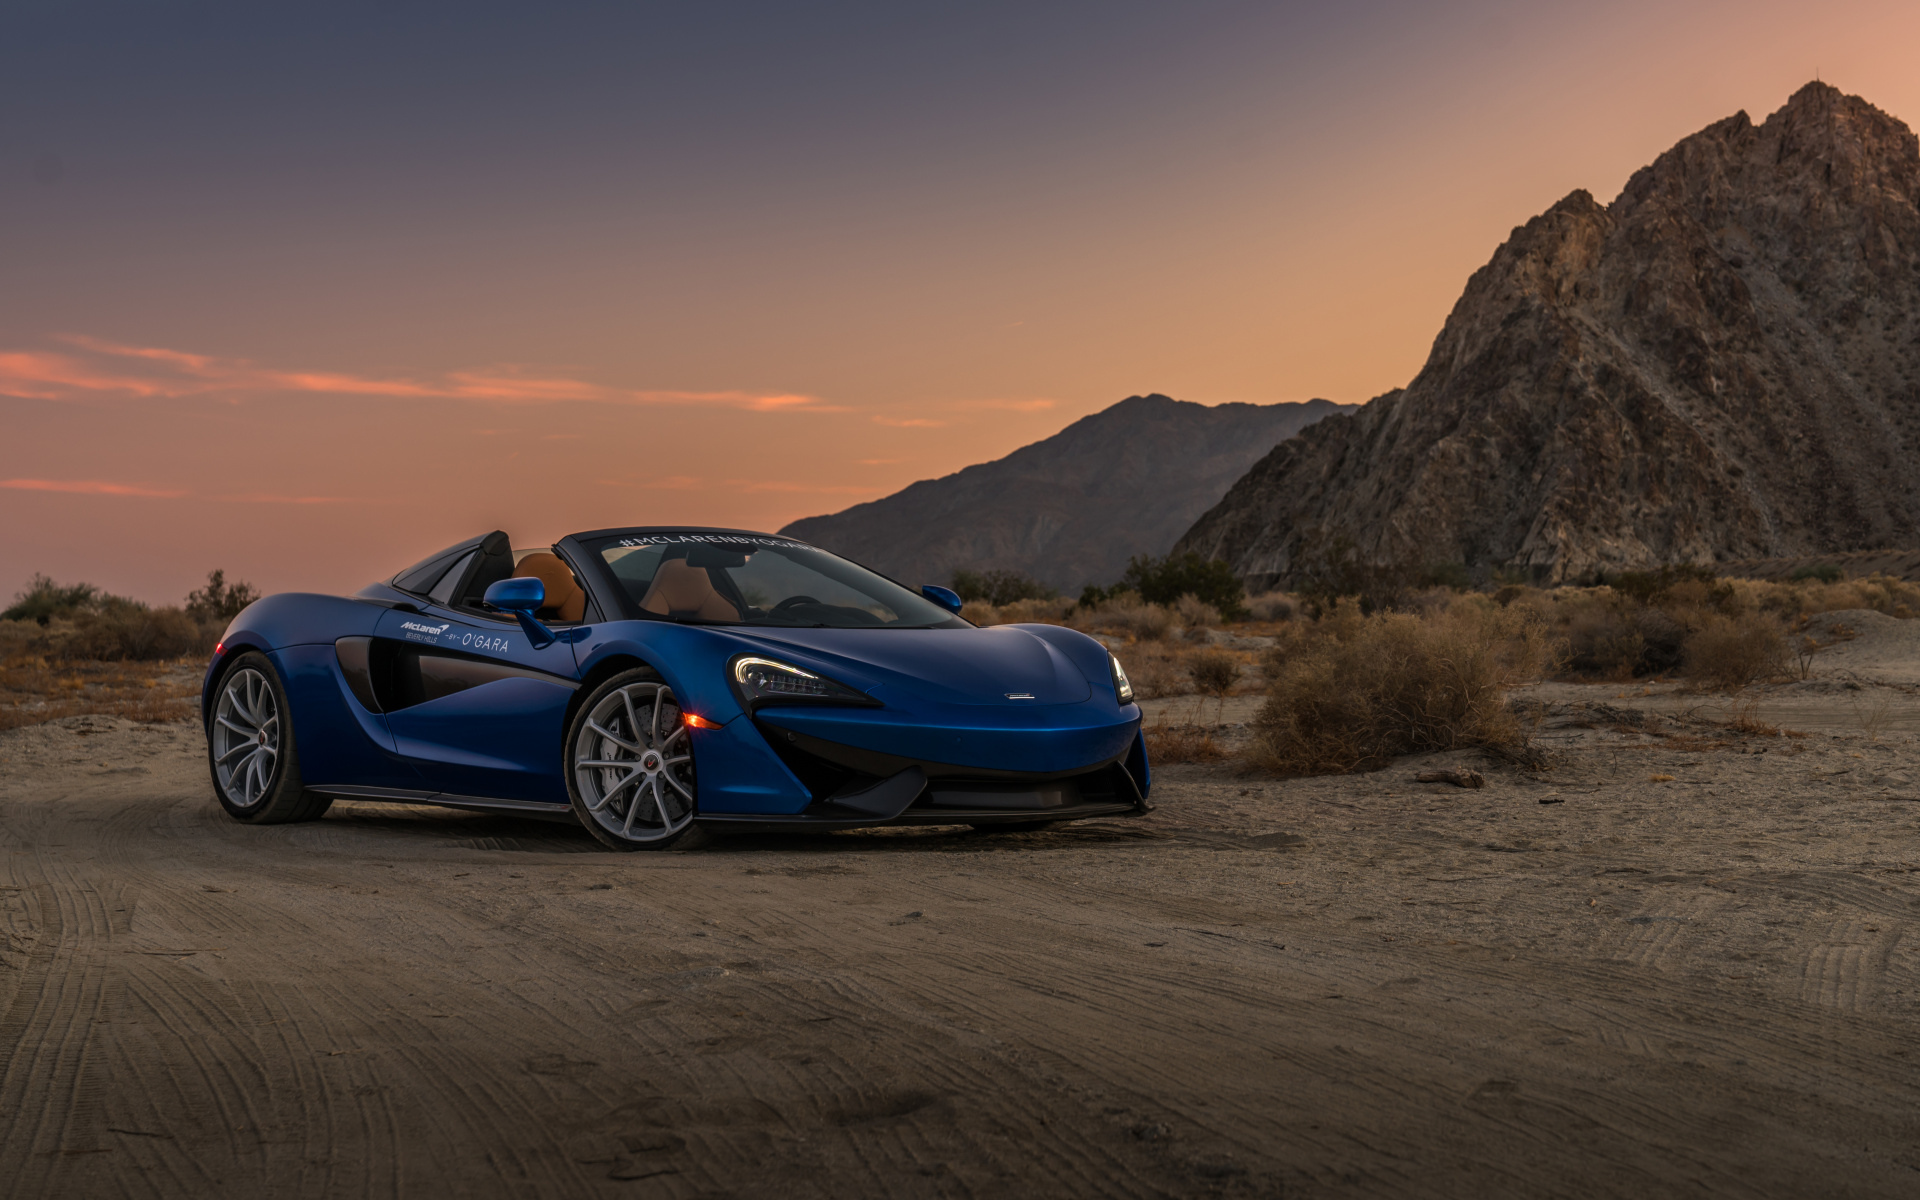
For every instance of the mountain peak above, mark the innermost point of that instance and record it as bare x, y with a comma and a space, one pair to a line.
1724, 362
1071, 509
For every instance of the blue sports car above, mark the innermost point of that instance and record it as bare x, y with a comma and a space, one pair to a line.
642, 680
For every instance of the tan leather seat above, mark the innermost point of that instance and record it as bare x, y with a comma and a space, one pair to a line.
565, 600
679, 588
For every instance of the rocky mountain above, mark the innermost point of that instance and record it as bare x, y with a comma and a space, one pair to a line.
1073, 508
1723, 363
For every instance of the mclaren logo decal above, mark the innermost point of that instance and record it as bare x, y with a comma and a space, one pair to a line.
708, 539
417, 627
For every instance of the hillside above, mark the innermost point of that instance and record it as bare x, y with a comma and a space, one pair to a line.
1073, 508
1723, 363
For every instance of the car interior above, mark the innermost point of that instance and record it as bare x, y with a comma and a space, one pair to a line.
681, 589
460, 580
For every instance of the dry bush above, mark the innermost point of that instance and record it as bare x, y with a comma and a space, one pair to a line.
1746, 719
1272, 606
1158, 669
1733, 651
1141, 622
1036, 610
1805, 597
138, 635
1601, 637
1181, 744
1214, 672
119, 633
35, 688
1196, 613
1398, 684
980, 613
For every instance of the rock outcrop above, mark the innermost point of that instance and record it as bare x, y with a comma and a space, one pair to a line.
1723, 363
1071, 509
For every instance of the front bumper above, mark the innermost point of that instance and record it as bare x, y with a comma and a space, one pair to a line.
987, 766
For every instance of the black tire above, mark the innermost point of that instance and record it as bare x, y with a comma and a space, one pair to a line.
628, 760
251, 753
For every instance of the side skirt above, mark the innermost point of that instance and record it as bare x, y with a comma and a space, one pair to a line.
505, 808
825, 821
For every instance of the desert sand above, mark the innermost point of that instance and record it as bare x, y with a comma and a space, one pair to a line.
1682, 960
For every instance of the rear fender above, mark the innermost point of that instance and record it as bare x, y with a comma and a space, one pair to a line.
287, 619
337, 740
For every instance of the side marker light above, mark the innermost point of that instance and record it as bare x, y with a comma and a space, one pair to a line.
219, 648
696, 721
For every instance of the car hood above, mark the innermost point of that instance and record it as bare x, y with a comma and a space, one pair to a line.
954, 666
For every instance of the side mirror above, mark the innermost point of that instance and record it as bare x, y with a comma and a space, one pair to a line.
946, 598
521, 596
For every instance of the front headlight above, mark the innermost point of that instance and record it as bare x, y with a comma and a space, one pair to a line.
766, 681
1121, 687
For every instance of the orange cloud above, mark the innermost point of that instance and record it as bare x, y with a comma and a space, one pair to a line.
270, 498
908, 422
108, 368
86, 487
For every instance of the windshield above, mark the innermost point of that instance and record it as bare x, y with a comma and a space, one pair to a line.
755, 579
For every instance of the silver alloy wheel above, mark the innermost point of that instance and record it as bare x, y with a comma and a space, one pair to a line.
246, 737
633, 765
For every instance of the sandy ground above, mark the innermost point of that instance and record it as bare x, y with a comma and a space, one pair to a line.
1679, 962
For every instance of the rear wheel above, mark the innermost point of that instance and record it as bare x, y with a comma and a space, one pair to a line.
630, 764
250, 748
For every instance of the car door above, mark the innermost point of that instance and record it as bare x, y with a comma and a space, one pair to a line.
473, 705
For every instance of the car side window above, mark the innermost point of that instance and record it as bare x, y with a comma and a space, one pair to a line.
442, 592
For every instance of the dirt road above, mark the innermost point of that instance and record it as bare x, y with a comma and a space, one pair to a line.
1584, 984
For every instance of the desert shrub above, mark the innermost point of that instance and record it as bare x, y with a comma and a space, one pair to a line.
1128, 616
1732, 652
1196, 613
135, 633
1453, 576
980, 613
1181, 743
1825, 573
1602, 641
1399, 684
219, 601
1049, 611
42, 600
1650, 587
999, 587
1271, 606
1157, 669
1164, 580
1881, 593
1214, 672
1328, 566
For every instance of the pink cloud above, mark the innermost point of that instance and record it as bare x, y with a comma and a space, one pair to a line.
103, 368
908, 422
86, 487
101, 487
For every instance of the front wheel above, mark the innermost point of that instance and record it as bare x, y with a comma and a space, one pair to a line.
630, 764
250, 749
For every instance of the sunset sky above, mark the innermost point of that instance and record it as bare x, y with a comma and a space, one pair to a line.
308, 294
